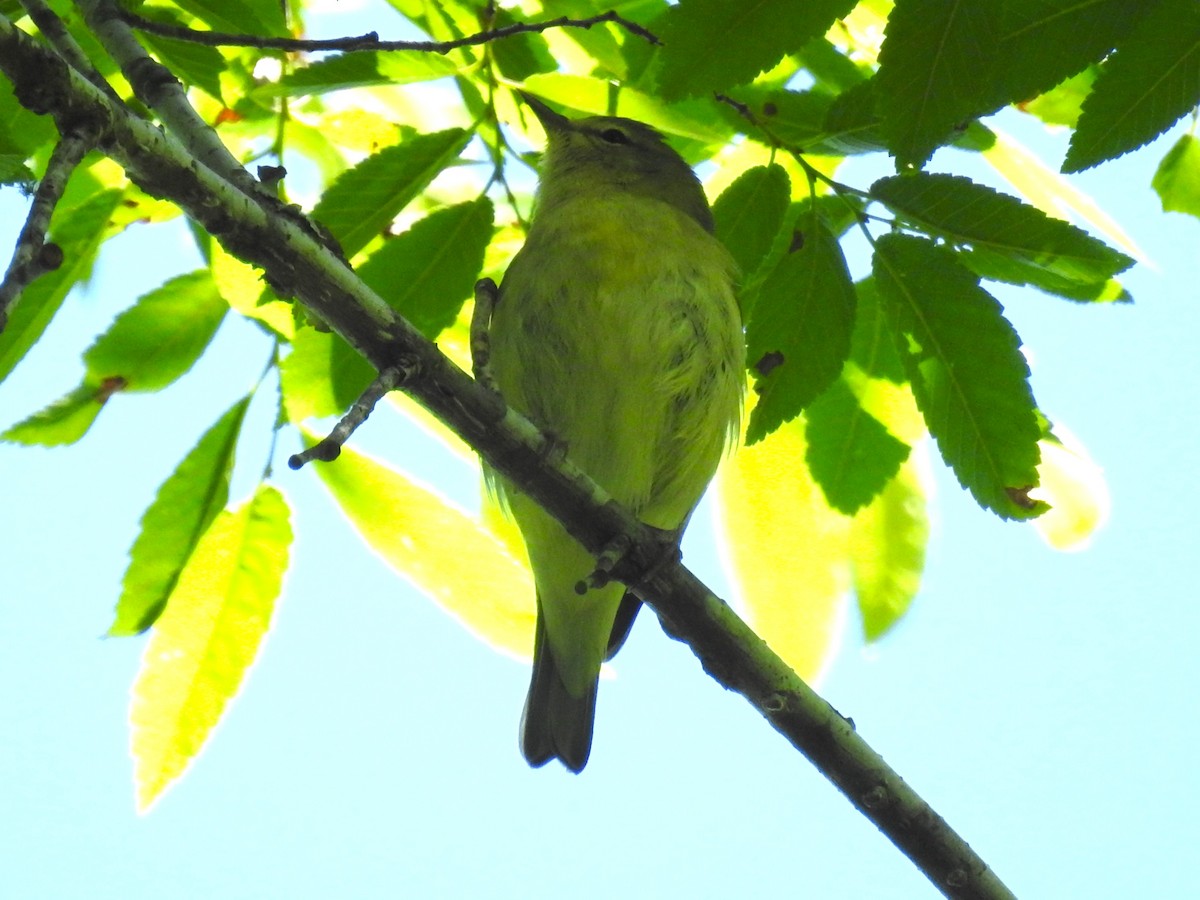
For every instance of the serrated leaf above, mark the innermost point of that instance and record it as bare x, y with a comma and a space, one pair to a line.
242, 287
1006, 239
798, 337
363, 201
445, 552
749, 213
207, 639
1074, 486
172, 526
851, 455
1143, 88
887, 547
14, 171
1062, 104
964, 361
362, 69
521, 55
64, 421
1051, 192
796, 118
929, 72
427, 273
1042, 42
79, 228
21, 132
784, 549
161, 336
1177, 180
709, 45
852, 124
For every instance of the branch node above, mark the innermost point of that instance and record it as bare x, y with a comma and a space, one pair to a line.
331, 447
615, 551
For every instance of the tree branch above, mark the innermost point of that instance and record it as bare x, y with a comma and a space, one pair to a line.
33, 255
370, 40
300, 265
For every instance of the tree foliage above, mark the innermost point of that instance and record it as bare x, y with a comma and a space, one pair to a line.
411, 167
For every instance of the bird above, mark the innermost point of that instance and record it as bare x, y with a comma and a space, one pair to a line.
617, 331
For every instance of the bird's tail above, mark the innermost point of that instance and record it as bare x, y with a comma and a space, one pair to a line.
556, 724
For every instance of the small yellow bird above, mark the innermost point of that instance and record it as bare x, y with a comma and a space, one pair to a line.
617, 331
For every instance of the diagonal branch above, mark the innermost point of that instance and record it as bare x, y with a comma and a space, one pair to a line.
300, 264
371, 41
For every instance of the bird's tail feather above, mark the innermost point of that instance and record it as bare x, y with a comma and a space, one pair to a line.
556, 724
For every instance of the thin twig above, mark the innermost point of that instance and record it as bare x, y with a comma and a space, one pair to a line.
331, 447
33, 255
370, 40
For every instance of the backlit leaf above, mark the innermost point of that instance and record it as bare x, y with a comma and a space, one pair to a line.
1074, 486
1177, 180
64, 421
447, 553
186, 504
749, 212
207, 639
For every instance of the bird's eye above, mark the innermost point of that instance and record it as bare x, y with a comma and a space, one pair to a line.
614, 136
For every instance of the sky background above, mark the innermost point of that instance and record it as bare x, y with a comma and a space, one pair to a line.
1042, 702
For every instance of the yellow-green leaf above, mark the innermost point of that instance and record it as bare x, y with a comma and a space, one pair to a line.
1074, 486
785, 549
208, 637
447, 553
887, 546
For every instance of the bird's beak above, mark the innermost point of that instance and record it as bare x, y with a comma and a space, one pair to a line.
553, 122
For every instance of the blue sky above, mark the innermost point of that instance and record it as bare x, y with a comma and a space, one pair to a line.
1042, 702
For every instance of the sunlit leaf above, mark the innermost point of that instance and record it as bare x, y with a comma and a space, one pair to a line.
64, 421
322, 375
967, 372
448, 554
362, 203
161, 336
1177, 180
207, 639
1074, 486
887, 546
363, 69
786, 551
171, 528
255, 17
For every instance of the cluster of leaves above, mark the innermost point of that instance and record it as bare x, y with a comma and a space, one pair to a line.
849, 376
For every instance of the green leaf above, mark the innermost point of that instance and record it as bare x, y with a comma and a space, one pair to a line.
1177, 180
363, 69
186, 504
887, 549
194, 64
427, 272
207, 639
1062, 104
749, 213
321, 376
967, 372
426, 539
928, 82
78, 227
64, 421
709, 45
797, 118
521, 55
1007, 240
263, 18
799, 334
362, 203
14, 171
161, 336
852, 125
1143, 88
1042, 42
850, 453
21, 132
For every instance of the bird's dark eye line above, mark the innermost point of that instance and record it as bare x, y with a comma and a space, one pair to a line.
614, 136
